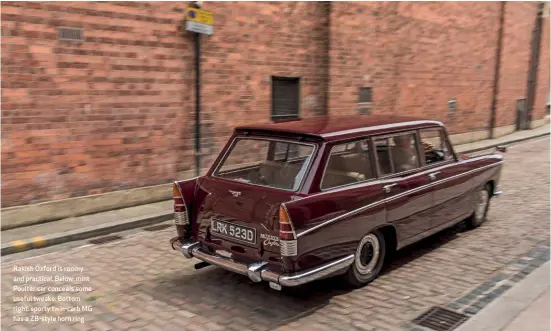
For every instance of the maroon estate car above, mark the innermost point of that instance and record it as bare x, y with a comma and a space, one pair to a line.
293, 202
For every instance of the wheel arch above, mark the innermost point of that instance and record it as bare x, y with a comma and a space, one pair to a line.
390, 234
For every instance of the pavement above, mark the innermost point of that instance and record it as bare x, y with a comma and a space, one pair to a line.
79, 228
84, 227
139, 283
524, 307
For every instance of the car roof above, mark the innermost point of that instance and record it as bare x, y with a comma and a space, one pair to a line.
330, 128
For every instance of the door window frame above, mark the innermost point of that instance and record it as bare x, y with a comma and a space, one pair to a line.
388, 136
372, 162
444, 139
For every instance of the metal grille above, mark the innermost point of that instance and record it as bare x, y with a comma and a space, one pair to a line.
440, 319
106, 239
70, 34
285, 98
364, 101
181, 218
452, 106
288, 247
157, 227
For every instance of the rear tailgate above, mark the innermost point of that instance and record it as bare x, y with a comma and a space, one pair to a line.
241, 218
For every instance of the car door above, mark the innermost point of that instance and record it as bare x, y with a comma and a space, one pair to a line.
408, 197
452, 198
350, 203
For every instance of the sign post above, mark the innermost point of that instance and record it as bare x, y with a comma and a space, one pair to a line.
199, 22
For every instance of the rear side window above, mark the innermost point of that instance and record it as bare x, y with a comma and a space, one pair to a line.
348, 164
397, 153
435, 147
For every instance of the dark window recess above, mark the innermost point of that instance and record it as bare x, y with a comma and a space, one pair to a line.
285, 98
70, 34
364, 101
452, 106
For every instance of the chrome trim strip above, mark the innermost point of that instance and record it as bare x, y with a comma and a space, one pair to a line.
254, 271
333, 220
379, 127
221, 261
394, 197
269, 276
259, 271
310, 159
306, 276
188, 249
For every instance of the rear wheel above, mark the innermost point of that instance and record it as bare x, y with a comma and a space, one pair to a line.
482, 202
368, 260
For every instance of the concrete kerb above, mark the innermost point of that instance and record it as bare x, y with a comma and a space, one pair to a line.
508, 142
17, 246
501, 312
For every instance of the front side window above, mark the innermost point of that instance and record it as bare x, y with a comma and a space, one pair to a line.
396, 154
434, 146
270, 163
347, 164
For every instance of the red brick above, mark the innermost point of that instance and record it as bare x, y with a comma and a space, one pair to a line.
122, 102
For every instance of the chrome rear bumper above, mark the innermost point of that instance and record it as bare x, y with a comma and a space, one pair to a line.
259, 271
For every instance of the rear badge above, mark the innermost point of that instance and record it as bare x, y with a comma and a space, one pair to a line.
269, 240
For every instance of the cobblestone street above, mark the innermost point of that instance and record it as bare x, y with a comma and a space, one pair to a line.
140, 283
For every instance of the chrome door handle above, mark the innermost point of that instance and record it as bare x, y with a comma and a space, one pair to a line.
433, 175
388, 188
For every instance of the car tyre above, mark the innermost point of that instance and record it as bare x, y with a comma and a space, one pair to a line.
368, 260
481, 206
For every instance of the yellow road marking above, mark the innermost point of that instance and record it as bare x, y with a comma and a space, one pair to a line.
38, 241
18, 244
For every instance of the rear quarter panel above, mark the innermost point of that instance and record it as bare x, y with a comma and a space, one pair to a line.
330, 224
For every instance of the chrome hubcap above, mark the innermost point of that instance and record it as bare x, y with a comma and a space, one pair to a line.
482, 202
367, 254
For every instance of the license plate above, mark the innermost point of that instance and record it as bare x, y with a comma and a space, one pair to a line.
233, 231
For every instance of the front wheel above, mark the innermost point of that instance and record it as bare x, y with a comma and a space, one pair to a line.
368, 260
482, 202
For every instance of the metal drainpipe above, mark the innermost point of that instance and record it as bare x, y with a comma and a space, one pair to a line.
495, 89
329, 9
533, 67
197, 99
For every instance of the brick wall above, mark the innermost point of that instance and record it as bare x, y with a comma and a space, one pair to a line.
517, 34
117, 111
416, 56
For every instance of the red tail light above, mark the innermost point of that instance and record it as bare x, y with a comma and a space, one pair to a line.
178, 200
286, 231
287, 235
180, 211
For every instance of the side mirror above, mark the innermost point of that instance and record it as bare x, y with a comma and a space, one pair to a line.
501, 149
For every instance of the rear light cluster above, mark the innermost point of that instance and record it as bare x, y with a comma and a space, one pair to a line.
287, 235
180, 211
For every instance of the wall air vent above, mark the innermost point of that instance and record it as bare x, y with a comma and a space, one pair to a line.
70, 34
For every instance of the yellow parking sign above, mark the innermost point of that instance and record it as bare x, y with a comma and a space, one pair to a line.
199, 16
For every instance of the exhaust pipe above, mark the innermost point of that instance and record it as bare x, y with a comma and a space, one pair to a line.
201, 265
